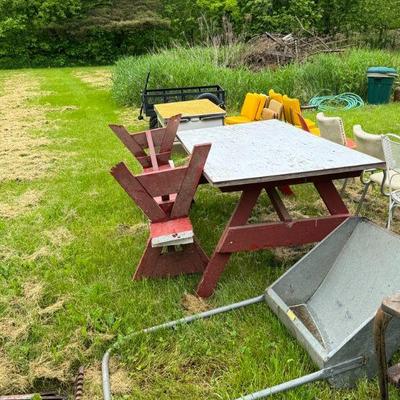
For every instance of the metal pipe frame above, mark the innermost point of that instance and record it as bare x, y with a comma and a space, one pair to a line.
167, 325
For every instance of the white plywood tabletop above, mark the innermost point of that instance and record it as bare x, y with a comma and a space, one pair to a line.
271, 151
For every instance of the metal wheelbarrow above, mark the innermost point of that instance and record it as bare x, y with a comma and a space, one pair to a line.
327, 300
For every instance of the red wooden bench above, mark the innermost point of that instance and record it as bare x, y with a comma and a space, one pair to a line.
158, 143
165, 196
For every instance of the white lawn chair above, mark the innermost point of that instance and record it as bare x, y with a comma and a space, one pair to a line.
331, 128
391, 150
372, 145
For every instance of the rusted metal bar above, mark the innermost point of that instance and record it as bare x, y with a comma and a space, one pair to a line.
390, 308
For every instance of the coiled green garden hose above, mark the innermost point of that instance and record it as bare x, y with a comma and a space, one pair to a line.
343, 101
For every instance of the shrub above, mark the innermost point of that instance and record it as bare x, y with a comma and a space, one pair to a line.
321, 74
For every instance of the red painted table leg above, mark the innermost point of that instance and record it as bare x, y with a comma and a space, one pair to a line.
218, 260
238, 236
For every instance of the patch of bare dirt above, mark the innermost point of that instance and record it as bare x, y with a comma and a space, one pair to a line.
20, 205
23, 156
100, 79
194, 304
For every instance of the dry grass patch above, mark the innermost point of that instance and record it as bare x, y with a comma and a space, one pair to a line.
20, 205
194, 304
60, 236
99, 79
10, 377
22, 156
121, 383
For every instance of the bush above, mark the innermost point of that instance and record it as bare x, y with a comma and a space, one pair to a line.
322, 74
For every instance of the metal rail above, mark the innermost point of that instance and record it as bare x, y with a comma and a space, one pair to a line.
168, 325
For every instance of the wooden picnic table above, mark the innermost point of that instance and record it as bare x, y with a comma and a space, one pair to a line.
265, 155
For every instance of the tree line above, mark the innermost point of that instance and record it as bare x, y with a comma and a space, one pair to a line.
73, 32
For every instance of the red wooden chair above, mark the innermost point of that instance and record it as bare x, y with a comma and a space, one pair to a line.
158, 143
165, 196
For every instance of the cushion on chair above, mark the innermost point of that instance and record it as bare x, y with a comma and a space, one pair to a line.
268, 114
275, 96
377, 177
261, 105
250, 106
238, 119
277, 108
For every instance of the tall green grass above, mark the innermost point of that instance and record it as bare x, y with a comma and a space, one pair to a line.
321, 74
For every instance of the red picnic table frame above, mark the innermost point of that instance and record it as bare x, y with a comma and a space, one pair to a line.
164, 193
264, 156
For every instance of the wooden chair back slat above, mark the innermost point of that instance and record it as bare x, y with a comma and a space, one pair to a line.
128, 140
189, 184
152, 151
163, 182
138, 192
158, 141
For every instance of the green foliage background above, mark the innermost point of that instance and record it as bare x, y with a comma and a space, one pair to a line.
321, 74
68, 32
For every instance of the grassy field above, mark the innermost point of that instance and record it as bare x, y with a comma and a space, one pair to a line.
70, 239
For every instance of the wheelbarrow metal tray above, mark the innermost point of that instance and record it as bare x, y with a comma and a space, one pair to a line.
328, 299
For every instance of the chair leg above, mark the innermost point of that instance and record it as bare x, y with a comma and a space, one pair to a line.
390, 215
343, 187
361, 201
381, 322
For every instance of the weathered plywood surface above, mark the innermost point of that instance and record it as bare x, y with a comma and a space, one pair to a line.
270, 151
190, 108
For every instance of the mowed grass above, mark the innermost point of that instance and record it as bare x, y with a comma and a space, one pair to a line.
221, 358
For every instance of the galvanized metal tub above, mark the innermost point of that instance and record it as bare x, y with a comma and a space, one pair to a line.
329, 298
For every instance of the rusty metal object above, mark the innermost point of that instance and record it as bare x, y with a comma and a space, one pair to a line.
78, 385
396, 96
390, 308
44, 396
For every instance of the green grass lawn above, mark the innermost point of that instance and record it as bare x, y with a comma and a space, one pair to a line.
66, 264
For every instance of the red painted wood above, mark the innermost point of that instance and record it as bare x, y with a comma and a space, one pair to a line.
293, 181
138, 192
277, 202
157, 133
160, 183
190, 181
331, 198
293, 233
189, 259
159, 142
217, 263
238, 236
351, 143
286, 190
152, 151
170, 133
173, 226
